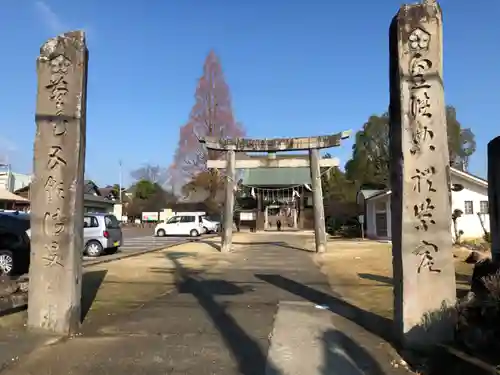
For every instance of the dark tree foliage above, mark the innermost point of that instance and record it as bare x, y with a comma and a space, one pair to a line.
339, 194
461, 141
370, 152
369, 166
370, 160
148, 196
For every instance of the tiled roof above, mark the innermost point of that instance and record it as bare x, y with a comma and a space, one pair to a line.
96, 198
276, 176
6, 195
105, 192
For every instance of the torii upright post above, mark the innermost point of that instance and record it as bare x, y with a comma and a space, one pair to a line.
318, 206
227, 234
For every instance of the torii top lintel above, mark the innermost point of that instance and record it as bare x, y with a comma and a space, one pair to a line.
275, 144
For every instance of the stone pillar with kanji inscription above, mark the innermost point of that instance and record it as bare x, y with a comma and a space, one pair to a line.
57, 190
424, 274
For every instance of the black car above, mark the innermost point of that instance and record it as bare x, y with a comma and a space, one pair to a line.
14, 243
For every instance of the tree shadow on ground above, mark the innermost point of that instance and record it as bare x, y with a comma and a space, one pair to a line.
460, 279
249, 356
91, 282
258, 243
343, 356
212, 244
374, 323
378, 278
13, 310
274, 243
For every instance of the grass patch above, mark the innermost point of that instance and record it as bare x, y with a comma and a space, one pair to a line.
361, 272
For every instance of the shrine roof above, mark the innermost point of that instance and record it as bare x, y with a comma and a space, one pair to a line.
276, 176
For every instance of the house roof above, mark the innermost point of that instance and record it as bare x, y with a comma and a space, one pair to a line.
96, 198
23, 189
6, 195
276, 176
89, 194
90, 188
469, 177
380, 194
107, 191
368, 193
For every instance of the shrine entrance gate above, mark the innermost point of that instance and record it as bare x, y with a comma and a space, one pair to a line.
271, 146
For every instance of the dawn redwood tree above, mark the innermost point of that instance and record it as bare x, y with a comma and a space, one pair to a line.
211, 115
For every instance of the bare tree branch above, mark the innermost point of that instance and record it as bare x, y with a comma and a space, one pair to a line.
153, 173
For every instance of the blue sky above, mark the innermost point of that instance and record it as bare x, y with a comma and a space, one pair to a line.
294, 68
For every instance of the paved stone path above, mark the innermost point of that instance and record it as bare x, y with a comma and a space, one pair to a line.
270, 299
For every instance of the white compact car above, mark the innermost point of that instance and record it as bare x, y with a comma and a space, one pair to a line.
210, 225
181, 225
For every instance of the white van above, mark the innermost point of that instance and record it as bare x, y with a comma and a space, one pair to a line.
184, 224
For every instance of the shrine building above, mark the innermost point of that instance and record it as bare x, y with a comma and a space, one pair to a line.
278, 194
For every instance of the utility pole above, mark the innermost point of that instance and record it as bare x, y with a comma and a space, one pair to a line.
120, 180
7, 165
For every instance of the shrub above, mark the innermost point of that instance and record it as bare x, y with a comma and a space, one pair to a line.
454, 217
487, 237
478, 328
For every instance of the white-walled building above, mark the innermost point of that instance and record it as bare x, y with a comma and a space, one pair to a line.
472, 201
12, 181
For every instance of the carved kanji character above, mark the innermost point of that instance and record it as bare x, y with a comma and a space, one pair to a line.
59, 127
53, 257
53, 223
420, 104
423, 175
56, 157
418, 69
424, 251
420, 135
423, 213
53, 189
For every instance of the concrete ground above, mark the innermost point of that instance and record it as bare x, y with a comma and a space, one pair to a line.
263, 309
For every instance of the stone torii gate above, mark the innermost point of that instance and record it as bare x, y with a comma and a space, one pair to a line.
311, 144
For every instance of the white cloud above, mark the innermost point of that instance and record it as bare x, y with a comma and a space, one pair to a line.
49, 17
54, 23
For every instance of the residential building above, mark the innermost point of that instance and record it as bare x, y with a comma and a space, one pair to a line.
93, 201
472, 200
12, 181
13, 202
